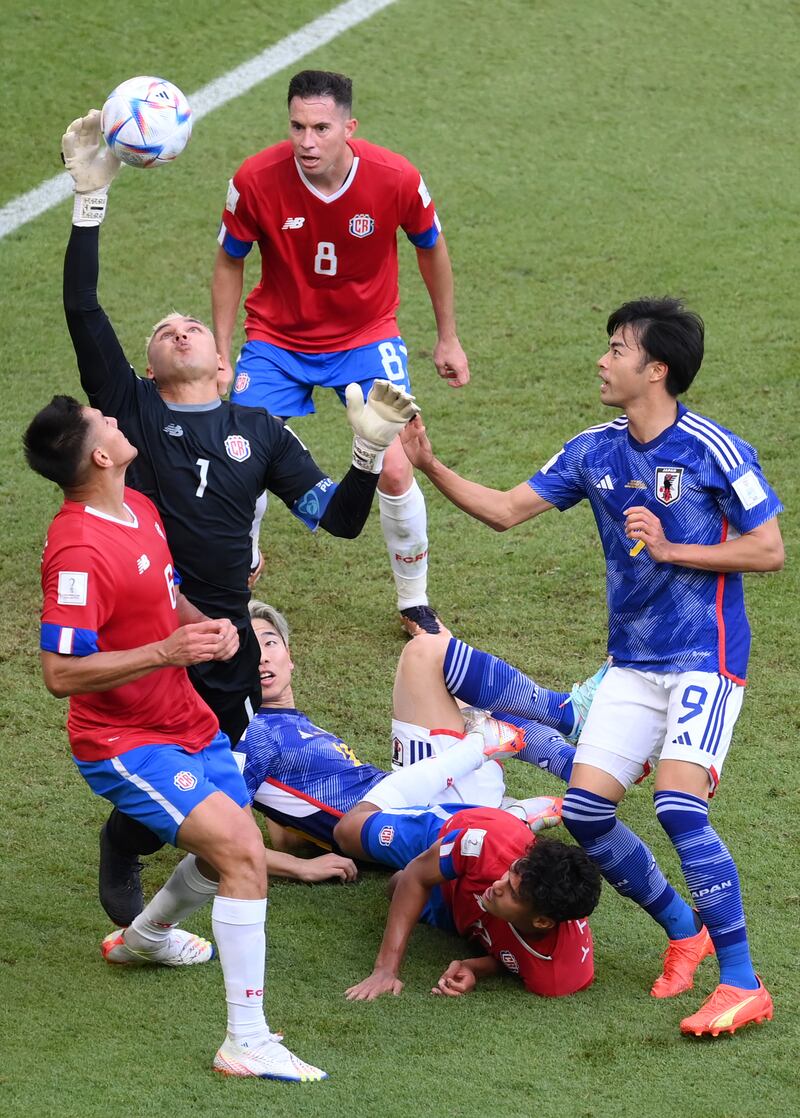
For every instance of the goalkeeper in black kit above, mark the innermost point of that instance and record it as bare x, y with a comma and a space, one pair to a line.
204, 462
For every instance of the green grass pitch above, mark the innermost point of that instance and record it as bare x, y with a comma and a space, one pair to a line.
581, 152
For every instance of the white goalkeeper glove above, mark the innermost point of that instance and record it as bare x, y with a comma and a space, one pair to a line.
377, 422
92, 166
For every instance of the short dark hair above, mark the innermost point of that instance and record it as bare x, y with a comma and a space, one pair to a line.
55, 441
667, 331
322, 83
558, 880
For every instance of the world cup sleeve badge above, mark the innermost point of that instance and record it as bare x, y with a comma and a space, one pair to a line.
668, 484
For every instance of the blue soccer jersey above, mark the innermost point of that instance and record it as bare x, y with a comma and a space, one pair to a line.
301, 776
705, 485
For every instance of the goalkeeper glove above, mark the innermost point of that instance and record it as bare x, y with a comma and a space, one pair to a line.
377, 423
92, 166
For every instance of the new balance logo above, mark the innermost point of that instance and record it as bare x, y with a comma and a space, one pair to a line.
174, 429
682, 739
142, 563
294, 223
605, 482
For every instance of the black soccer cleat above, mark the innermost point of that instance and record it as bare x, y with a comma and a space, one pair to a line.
120, 882
420, 619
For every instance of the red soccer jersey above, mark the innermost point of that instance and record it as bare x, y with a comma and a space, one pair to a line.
108, 586
328, 263
478, 846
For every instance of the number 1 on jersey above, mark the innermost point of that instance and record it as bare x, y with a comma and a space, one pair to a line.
203, 463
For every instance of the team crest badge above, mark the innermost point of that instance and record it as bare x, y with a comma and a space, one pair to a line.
510, 961
242, 382
668, 484
362, 225
237, 447
184, 780
386, 835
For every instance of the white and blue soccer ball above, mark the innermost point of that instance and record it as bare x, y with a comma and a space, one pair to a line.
146, 121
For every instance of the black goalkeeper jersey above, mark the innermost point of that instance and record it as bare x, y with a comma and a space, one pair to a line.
203, 466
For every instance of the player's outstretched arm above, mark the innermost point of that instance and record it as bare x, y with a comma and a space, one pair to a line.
437, 273
325, 867
105, 372
500, 509
92, 166
227, 284
411, 892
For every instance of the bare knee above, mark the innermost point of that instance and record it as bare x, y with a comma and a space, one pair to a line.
397, 472
425, 653
240, 856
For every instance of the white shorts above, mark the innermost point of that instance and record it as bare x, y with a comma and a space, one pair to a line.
640, 718
485, 787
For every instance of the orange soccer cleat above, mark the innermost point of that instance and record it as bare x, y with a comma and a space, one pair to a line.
727, 1009
681, 960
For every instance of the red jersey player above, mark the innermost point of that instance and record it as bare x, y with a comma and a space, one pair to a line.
479, 872
324, 209
116, 638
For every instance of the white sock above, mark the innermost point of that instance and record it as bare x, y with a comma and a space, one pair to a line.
404, 522
423, 782
260, 512
241, 938
185, 891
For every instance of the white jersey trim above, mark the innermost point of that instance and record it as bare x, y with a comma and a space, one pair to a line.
712, 436
132, 523
528, 948
327, 198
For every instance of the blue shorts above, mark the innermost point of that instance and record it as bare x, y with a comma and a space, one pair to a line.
283, 381
160, 784
396, 837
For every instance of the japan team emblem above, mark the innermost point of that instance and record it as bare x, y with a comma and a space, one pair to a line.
362, 225
386, 835
184, 780
237, 447
668, 484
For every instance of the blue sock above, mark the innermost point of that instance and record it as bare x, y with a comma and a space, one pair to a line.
711, 875
543, 747
624, 860
485, 681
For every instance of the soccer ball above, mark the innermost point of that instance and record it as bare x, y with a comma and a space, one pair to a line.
146, 121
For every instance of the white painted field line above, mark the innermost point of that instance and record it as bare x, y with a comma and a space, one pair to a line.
316, 34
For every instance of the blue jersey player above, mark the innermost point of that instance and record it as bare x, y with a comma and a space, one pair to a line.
304, 778
683, 510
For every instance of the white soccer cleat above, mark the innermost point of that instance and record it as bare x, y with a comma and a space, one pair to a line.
539, 812
181, 949
266, 1058
501, 739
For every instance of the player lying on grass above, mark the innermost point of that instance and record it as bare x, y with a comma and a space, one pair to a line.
204, 462
116, 637
478, 872
683, 509
304, 778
